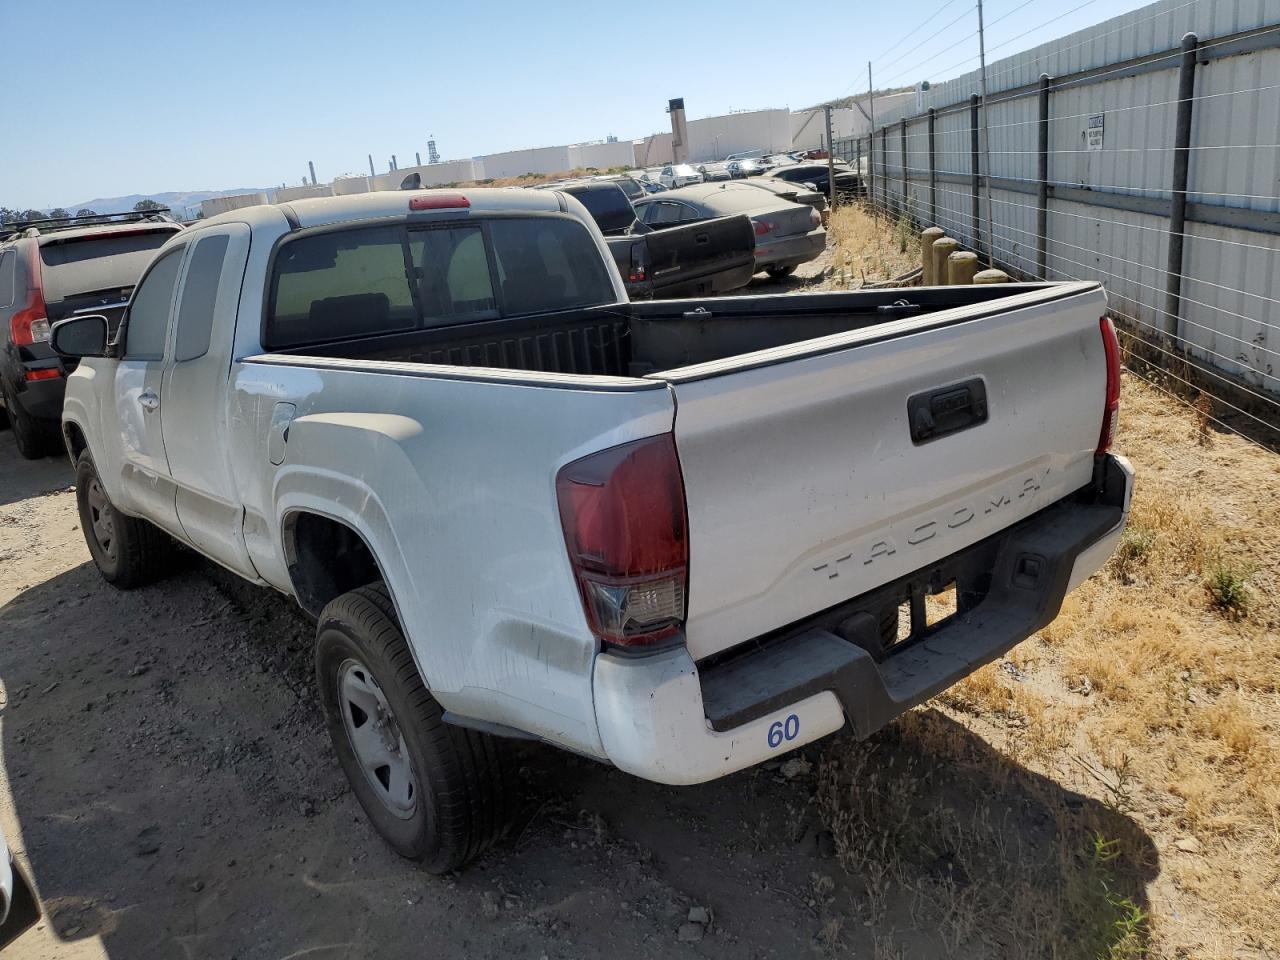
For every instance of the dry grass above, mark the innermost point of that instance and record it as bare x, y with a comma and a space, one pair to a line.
868, 247
1154, 696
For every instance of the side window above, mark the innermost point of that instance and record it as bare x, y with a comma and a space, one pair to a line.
199, 293
7, 261
148, 318
688, 214
663, 212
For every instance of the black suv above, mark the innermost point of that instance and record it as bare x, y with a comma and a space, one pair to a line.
55, 269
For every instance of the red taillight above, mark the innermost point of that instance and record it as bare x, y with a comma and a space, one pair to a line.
762, 227
30, 325
637, 272
47, 373
1111, 347
623, 514
440, 201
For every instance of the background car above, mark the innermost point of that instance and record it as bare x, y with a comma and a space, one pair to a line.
714, 171
848, 183
795, 192
629, 185
747, 167
678, 175
50, 270
787, 234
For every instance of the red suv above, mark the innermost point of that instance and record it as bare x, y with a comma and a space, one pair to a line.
55, 269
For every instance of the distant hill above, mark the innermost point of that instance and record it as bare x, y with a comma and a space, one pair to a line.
178, 201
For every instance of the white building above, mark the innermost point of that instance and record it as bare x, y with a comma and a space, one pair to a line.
217, 205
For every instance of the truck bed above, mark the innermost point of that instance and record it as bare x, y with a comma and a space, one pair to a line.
644, 338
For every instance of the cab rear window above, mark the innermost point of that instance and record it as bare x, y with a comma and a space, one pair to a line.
370, 280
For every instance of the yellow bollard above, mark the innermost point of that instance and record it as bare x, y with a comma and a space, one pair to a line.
927, 236
991, 276
943, 247
961, 266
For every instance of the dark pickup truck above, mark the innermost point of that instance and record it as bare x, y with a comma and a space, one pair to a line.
685, 260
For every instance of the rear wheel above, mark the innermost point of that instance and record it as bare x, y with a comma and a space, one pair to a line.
778, 273
127, 551
34, 438
437, 793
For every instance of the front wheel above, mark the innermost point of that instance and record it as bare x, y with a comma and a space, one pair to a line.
127, 551
437, 793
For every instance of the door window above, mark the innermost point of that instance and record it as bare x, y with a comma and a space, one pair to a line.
199, 294
148, 318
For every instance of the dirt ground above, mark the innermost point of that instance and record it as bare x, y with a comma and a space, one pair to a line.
167, 781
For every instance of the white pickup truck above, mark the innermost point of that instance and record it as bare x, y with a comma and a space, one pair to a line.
681, 537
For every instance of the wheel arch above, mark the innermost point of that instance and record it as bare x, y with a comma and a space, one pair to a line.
326, 557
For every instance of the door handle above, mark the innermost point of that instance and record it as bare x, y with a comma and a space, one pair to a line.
150, 402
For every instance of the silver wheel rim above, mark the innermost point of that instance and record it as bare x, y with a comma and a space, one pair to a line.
102, 519
376, 739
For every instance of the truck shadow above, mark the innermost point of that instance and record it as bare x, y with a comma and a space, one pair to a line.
21, 478
174, 794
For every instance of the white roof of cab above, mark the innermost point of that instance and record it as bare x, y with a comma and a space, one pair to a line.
319, 211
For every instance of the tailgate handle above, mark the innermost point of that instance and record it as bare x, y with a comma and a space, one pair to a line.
900, 308
946, 410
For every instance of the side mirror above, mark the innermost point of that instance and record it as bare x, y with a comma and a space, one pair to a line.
83, 336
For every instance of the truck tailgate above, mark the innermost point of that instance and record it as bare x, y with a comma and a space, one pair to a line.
683, 259
806, 486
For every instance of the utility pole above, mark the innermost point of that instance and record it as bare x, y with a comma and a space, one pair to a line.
417, 158
312, 167
986, 136
372, 172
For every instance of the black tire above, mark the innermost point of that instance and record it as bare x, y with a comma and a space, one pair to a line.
133, 553
34, 438
779, 273
462, 798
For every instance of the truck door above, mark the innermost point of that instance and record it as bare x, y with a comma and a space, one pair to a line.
146, 486
194, 396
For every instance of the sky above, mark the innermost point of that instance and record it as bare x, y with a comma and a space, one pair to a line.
112, 98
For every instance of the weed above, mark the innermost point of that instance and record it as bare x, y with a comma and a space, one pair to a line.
1131, 555
1228, 586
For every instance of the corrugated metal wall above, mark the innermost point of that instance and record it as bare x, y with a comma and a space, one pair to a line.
1229, 316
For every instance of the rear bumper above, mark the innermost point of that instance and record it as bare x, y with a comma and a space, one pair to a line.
794, 250
668, 719
41, 399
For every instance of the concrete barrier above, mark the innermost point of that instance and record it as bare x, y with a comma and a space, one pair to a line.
927, 236
961, 267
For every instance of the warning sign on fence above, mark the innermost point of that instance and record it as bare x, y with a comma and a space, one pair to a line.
1093, 131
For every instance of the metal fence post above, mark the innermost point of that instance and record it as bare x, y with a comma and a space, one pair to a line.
831, 159
1178, 208
906, 184
933, 170
884, 167
1042, 174
871, 168
975, 173
857, 162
